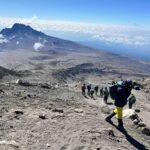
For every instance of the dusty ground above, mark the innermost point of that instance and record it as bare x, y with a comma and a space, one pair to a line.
57, 116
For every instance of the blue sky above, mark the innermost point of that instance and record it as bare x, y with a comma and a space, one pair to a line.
117, 23
98, 11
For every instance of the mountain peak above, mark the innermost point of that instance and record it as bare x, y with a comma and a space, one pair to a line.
18, 28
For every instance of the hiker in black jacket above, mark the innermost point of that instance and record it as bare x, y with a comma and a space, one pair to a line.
101, 92
88, 88
123, 93
83, 89
106, 95
96, 89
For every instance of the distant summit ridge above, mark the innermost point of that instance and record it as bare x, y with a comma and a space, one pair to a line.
20, 28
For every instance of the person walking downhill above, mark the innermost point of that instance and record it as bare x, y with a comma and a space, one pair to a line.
92, 93
83, 89
106, 95
96, 90
101, 92
123, 90
131, 100
88, 88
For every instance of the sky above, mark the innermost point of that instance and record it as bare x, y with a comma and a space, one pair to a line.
95, 11
123, 22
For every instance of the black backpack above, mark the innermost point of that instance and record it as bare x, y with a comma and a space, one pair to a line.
113, 89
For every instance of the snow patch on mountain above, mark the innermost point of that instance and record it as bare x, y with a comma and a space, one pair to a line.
2, 39
37, 46
17, 43
1, 36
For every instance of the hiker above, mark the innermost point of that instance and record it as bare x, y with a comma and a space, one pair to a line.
83, 89
96, 89
92, 93
106, 95
88, 88
131, 100
101, 92
123, 90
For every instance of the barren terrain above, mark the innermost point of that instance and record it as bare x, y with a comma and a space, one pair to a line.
50, 113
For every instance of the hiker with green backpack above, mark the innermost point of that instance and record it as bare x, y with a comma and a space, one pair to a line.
131, 100
120, 92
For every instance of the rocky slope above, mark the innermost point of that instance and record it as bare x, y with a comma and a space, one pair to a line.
46, 110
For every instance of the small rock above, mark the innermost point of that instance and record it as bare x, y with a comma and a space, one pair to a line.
60, 110
57, 115
135, 121
146, 131
110, 132
78, 110
23, 83
141, 124
11, 143
134, 116
146, 91
49, 107
45, 86
1, 91
98, 149
48, 145
137, 88
19, 112
137, 110
3, 109
22, 98
105, 110
28, 95
42, 116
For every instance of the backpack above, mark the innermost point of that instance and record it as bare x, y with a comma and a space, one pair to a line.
113, 89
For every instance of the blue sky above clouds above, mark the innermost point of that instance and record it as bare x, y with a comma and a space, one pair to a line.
98, 11
111, 21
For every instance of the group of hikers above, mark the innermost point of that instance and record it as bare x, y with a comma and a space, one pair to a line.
89, 90
120, 92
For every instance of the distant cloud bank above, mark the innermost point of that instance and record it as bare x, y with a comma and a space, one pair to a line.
126, 34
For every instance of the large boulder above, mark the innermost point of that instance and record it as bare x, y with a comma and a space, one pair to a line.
129, 113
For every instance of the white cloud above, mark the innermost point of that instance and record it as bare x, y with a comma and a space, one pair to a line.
37, 46
133, 35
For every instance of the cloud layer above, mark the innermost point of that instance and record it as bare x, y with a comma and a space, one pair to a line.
130, 35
